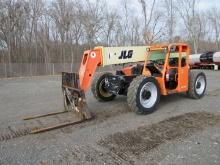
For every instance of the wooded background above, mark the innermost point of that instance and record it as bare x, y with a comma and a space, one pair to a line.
44, 33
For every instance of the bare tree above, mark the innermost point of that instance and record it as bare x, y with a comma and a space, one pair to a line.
147, 19
170, 11
76, 33
214, 18
60, 12
135, 31
35, 12
119, 33
92, 17
44, 39
12, 18
111, 19
192, 21
156, 30
152, 29
125, 21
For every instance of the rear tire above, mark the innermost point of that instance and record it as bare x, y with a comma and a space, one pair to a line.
98, 88
143, 95
197, 84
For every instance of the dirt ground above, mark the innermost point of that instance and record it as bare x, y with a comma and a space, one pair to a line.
181, 131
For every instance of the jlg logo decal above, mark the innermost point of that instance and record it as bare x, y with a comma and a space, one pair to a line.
126, 54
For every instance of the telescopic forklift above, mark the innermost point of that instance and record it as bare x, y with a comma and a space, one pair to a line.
158, 70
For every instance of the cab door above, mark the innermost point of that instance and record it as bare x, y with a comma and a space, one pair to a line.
183, 68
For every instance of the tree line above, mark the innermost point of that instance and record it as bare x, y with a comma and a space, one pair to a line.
58, 31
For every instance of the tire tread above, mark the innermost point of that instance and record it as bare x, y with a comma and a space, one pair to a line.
193, 74
132, 95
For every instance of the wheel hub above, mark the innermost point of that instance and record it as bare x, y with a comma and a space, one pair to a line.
103, 90
146, 95
200, 85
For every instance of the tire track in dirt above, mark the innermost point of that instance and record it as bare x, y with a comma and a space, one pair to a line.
10, 134
16, 131
98, 117
145, 138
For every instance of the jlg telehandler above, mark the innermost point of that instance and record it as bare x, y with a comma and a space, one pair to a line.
159, 70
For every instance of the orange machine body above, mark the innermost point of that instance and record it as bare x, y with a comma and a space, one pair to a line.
182, 75
93, 58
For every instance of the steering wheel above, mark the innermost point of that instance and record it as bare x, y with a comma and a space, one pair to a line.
150, 62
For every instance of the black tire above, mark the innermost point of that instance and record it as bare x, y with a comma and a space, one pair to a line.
135, 90
98, 90
196, 89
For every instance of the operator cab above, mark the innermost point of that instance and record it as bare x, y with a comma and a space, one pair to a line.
169, 65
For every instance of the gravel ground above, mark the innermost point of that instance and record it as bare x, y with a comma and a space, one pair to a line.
93, 142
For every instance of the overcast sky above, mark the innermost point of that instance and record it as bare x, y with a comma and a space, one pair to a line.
203, 4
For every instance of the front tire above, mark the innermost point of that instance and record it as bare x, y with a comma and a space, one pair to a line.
197, 84
98, 88
143, 95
